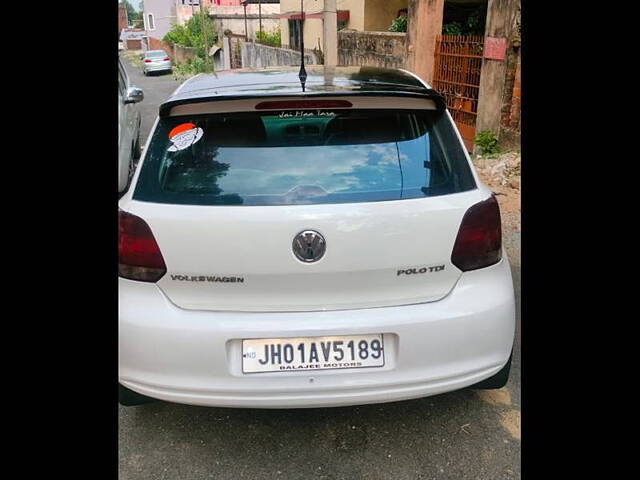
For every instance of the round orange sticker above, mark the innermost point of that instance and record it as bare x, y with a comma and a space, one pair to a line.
183, 127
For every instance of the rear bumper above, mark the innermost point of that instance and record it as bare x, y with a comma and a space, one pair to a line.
158, 68
193, 357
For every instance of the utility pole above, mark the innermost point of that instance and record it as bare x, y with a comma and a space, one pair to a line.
498, 31
330, 33
424, 24
246, 32
302, 36
302, 75
260, 15
204, 36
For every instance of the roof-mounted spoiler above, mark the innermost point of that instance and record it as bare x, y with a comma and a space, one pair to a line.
425, 93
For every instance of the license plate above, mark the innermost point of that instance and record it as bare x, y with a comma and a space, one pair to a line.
312, 353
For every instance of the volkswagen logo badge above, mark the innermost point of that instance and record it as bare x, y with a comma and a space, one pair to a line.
309, 246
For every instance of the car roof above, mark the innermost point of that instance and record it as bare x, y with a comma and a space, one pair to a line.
284, 81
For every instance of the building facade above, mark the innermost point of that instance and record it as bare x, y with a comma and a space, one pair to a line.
238, 16
186, 8
362, 15
158, 16
123, 19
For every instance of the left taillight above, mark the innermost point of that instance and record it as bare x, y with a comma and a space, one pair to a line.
139, 257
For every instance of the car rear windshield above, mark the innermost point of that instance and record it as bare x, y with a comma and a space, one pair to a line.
156, 54
303, 157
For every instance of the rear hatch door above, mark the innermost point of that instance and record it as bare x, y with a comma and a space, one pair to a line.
227, 194
242, 258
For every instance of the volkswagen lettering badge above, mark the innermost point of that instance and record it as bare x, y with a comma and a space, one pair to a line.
309, 246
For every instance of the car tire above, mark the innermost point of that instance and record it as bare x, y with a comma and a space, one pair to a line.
496, 381
129, 398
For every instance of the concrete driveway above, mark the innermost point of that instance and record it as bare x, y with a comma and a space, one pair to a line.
459, 435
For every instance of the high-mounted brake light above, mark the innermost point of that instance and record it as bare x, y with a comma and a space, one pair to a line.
302, 104
479, 240
139, 257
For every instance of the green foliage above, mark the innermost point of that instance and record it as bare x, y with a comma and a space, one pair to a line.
453, 28
134, 57
475, 22
133, 16
190, 68
191, 34
131, 11
486, 142
178, 35
472, 25
273, 39
399, 25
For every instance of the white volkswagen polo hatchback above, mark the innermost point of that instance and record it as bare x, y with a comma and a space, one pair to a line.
325, 244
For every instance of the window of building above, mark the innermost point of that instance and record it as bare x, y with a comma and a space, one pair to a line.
151, 24
295, 29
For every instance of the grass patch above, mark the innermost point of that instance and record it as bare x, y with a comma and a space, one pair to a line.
190, 68
134, 57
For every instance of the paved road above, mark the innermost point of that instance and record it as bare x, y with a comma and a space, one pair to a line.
459, 435
157, 87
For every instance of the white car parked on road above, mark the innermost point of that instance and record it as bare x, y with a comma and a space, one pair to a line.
283, 248
156, 61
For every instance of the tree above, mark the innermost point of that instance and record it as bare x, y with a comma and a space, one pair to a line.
133, 15
131, 11
190, 34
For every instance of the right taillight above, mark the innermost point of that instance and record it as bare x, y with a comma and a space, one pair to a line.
139, 257
479, 240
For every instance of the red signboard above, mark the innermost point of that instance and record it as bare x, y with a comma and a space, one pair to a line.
495, 48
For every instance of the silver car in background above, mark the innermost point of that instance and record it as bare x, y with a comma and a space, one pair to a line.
156, 61
129, 120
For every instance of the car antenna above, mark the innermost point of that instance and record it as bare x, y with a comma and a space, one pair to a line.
302, 75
